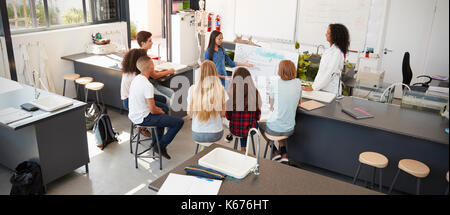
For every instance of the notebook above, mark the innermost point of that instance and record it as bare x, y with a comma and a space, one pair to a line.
311, 105
52, 103
320, 96
357, 113
10, 115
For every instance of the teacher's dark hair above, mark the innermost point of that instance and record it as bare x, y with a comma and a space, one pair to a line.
212, 43
340, 37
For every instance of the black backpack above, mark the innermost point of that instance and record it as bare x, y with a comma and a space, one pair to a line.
92, 113
104, 132
27, 179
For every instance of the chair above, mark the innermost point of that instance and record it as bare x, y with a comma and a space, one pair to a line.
237, 140
272, 139
94, 86
70, 77
83, 81
138, 154
446, 177
414, 168
407, 76
375, 160
203, 144
134, 136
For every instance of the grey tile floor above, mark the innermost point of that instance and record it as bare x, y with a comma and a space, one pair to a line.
112, 171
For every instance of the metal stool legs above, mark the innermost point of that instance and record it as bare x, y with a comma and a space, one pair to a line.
137, 153
395, 179
373, 177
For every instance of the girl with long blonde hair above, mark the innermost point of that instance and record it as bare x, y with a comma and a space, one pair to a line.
206, 104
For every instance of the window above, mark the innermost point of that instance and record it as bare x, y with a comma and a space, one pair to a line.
29, 15
25, 14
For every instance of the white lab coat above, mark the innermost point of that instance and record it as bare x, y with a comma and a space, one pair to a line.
330, 69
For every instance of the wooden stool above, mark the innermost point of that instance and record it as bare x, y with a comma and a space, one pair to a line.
138, 141
83, 81
414, 168
446, 177
207, 144
70, 77
239, 139
375, 160
94, 86
273, 139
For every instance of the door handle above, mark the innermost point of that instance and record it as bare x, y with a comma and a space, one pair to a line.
385, 50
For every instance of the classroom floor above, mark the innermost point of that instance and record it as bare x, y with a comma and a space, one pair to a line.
112, 171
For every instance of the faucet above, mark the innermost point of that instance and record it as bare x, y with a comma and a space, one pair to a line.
256, 169
317, 51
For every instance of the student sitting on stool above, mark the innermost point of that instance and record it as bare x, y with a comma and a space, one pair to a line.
143, 110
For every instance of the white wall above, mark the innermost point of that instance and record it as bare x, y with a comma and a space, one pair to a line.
437, 57
65, 42
147, 14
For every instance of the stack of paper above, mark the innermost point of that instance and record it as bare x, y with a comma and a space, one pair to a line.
311, 105
176, 184
10, 115
438, 91
168, 65
319, 96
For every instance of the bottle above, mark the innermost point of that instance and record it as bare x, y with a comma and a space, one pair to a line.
210, 22
218, 23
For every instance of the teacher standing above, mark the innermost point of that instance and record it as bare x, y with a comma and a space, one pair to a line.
332, 61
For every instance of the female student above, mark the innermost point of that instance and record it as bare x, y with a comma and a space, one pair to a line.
206, 105
144, 39
284, 100
129, 72
244, 109
217, 54
332, 61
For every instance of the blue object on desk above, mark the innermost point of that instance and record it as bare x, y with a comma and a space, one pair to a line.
446, 130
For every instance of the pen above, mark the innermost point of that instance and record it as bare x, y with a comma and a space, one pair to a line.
204, 178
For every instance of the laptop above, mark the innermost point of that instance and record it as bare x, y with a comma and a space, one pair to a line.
52, 103
357, 113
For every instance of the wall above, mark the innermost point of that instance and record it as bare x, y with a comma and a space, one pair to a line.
437, 56
63, 42
147, 14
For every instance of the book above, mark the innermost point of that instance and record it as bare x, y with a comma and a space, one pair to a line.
357, 113
311, 105
10, 115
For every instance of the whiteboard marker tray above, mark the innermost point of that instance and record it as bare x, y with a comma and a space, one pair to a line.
52, 103
231, 163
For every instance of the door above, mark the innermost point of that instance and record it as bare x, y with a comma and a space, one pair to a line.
409, 25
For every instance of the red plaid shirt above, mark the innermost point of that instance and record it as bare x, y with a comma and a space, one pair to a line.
242, 121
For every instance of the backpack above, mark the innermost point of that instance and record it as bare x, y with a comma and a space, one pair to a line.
92, 113
27, 179
103, 131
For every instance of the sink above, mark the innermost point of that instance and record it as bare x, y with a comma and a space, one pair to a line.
228, 162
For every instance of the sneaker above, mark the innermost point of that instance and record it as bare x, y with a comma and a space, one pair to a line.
144, 131
276, 155
164, 153
229, 138
284, 159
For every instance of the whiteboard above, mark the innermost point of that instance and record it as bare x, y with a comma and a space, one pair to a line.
315, 16
267, 19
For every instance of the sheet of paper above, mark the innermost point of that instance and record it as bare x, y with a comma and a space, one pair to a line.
176, 184
9, 115
7, 85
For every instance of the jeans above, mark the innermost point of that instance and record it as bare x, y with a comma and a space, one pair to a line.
161, 121
207, 137
244, 139
160, 101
